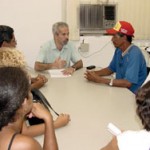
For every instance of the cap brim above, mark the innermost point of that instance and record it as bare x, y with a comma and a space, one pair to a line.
111, 31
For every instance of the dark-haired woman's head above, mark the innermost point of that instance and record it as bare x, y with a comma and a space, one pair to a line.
7, 38
14, 91
143, 105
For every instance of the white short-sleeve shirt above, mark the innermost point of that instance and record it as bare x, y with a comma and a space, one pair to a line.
134, 140
49, 53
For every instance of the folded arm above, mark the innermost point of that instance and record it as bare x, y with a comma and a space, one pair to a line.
58, 63
36, 130
39, 66
96, 76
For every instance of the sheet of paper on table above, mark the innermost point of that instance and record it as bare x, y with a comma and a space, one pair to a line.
57, 73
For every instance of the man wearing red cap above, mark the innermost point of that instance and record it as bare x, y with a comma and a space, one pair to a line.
128, 61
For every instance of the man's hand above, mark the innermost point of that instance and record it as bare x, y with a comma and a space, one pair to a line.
59, 63
91, 76
68, 71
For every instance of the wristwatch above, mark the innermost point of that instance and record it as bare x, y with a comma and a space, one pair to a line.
74, 68
111, 82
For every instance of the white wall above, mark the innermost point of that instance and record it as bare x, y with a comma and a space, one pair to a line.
32, 21
100, 51
137, 13
134, 11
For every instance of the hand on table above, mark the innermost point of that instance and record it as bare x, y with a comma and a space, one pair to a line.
91, 76
68, 71
38, 81
62, 120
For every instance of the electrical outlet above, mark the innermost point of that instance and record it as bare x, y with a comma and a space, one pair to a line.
84, 47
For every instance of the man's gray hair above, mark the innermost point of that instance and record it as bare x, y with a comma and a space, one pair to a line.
57, 25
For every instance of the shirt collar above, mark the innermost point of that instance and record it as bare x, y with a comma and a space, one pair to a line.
55, 48
126, 51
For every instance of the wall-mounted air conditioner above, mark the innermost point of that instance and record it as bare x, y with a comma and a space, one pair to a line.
95, 18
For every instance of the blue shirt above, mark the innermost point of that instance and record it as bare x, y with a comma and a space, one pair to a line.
131, 66
49, 53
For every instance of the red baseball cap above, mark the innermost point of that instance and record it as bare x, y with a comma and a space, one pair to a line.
122, 27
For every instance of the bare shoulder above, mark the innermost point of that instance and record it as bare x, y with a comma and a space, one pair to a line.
25, 143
